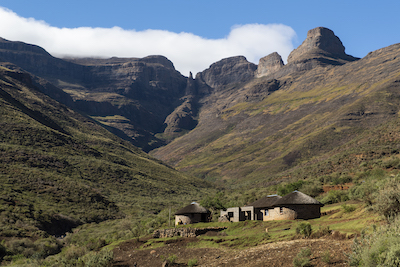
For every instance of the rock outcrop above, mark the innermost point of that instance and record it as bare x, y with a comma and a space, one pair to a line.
226, 71
322, 46
269, 64
182, 118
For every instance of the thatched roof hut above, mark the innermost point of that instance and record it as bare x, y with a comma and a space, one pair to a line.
192, 213
265, 202
297, 198
192, 209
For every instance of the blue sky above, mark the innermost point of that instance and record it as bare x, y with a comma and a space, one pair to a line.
362, 26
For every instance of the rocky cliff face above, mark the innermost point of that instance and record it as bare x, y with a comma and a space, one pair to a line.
142, 91
269, 65
183, 117
136, 98
321, 47
227, 71
321, 100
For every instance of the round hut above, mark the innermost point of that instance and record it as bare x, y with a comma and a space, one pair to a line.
192, 213
296, 205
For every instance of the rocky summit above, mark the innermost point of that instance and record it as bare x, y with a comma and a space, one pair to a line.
321, 45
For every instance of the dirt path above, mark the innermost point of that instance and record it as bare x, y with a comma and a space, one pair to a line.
273, 254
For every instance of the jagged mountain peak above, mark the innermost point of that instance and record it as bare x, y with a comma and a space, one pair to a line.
321, 43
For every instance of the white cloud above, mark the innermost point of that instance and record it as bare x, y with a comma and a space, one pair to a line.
187, 51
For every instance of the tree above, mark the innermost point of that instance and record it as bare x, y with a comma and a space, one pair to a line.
388, 199
213, 202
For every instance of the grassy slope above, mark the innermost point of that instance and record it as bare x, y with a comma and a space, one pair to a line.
317, 115
55, 161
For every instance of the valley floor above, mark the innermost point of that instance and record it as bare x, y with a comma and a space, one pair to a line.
324, 252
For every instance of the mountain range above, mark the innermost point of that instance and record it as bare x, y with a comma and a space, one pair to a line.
77, 122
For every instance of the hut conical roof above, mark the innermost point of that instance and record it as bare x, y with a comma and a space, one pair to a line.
265, 202
297, 198
192, 208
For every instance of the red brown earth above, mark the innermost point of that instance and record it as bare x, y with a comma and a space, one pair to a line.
272, 254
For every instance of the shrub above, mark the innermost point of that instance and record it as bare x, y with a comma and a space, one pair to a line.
192, 262
312, 189
322, 231
74, 252
363, 192
103, 258
214, 203
335, 196
348, 208
388, 199
304, 228
302, 258
96, 244
288, 188
392, 162
380, 248
326, 257
172, 259
344, 178
20, 246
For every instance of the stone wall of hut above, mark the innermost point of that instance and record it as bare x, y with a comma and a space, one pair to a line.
188, 218
291, 212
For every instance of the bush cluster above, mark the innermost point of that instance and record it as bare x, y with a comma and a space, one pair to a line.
380, 248
304, 229
27, 248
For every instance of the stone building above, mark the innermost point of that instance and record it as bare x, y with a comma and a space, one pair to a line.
253, 211
295, 205
192, 213
261, 207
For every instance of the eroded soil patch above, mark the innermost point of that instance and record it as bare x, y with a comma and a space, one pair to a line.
273, 254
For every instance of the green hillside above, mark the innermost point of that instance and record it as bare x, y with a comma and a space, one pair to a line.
59, 169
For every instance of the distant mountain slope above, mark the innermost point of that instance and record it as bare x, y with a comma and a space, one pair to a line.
131, 96
237, 122
291, 116
59, 169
